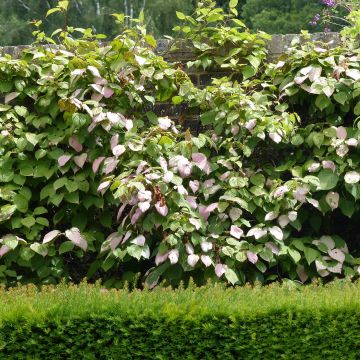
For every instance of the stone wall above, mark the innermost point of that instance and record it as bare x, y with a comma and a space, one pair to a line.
189, 118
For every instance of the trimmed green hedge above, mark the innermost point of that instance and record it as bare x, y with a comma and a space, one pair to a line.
87, 322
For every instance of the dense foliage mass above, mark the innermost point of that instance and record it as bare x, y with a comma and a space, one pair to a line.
273, 16
94, 184
205, 323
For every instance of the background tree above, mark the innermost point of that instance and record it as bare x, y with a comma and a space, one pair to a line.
281, 16
272, 16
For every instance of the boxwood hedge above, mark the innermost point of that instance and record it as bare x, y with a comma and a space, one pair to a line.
88, 322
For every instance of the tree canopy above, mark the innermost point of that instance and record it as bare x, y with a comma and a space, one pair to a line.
272, 16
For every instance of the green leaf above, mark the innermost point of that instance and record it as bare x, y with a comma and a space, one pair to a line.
322, 102
357, 109
21, 203
341, 98
59, 183
176, 100
134, 251
180, 15
248, 71
28, 221
208, 117
311, 255
42, 221
72, 198
294, 254
26, 253
11, 241
328, 179
347, 207
65, 247
231, 276
258, 180
5, 86
6, 212
233, 3
39, 249
52, 11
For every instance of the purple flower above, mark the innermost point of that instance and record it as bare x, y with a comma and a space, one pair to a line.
329, 3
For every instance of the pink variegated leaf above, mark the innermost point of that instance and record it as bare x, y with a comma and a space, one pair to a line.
189, 248
80, 160
126, 237
50, 236
220, 270
328, 164
164, 123
235, 213
139, 240
76, 238
96, 164
168, 176
97, 88
103, 186
252, 257
110, 165
272, 215
352, 142
276, 137
283, 220
196, 223
94, 71
160, 258
328, 241
206, 246
118, 150
100, 81
303, 276
236, 232
257, 233
107, 92
276, 232
11, 96
174, 256
4, 249
273, 247
114, 240
250, 125
78, 72
193, 259
114, 141
332, 198
136, 216
205, 211
336, 269
62, 160
162, 210
194, 185
184, 167
144, 206
341, 132
75, 144
192, 201
337, 254
201, 162
235, 130
206, 260
144, 195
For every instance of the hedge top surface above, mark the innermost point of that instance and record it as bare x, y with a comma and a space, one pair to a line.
66, 301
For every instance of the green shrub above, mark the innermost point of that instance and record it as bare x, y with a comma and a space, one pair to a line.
197, 323
93, 184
